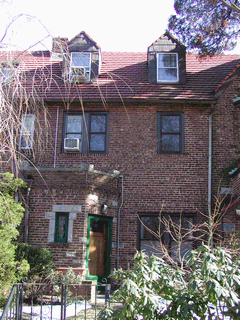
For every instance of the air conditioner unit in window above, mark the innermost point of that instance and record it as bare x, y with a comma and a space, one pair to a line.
72, 144
78, 74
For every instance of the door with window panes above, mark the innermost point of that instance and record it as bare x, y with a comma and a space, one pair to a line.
98, 248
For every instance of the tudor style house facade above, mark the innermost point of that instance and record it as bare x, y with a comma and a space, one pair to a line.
127, 136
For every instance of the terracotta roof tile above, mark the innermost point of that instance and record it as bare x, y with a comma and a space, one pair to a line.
124, 75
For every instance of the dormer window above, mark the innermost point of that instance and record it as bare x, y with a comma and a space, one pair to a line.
167, 67
80, 66
167, 61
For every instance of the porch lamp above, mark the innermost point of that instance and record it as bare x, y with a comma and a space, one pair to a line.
104, 207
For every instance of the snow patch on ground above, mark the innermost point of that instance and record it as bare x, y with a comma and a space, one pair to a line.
54, 312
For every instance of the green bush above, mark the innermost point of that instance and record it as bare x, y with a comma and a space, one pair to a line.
11, 214
155, 289
41, 268
70, 279
67, 278
40, 261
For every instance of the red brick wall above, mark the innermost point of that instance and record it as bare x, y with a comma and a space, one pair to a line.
226, 136
177, 183
235, 183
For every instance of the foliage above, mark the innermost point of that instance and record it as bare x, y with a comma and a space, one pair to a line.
70, 279
40, 261
41, 268
156, 289
67, 278
210, 26
11, 213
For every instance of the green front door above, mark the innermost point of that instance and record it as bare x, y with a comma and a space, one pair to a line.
99, 236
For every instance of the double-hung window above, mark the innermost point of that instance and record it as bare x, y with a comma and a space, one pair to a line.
91, 128
167, 67
27, 131
80, 66
61, 227
170, 132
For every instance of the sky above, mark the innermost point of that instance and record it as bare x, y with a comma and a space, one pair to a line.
125, 25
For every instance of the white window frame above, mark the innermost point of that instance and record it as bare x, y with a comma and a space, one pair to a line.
28, 133
87, 68
158, 68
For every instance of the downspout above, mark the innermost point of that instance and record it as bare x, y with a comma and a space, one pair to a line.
118, 224
56, 134
210, 241
29, 182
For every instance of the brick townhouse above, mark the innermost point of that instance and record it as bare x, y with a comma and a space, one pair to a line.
125, 137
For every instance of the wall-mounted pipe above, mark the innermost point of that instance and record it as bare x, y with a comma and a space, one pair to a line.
56, 134
210, 178
118, 224
29, 186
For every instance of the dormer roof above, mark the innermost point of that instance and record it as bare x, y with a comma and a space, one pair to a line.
83, 42
166, 43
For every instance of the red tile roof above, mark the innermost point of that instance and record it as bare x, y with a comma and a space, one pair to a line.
124, 76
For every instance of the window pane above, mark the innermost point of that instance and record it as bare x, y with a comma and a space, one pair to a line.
27, 131
167, 74
170, 142
74, 123
97, 142
27, 123
98, 123
185, 249
62, 226
26, 141
81, 59
74, 135
151, 223
170, 124
151, 247
167, 60
97, 226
